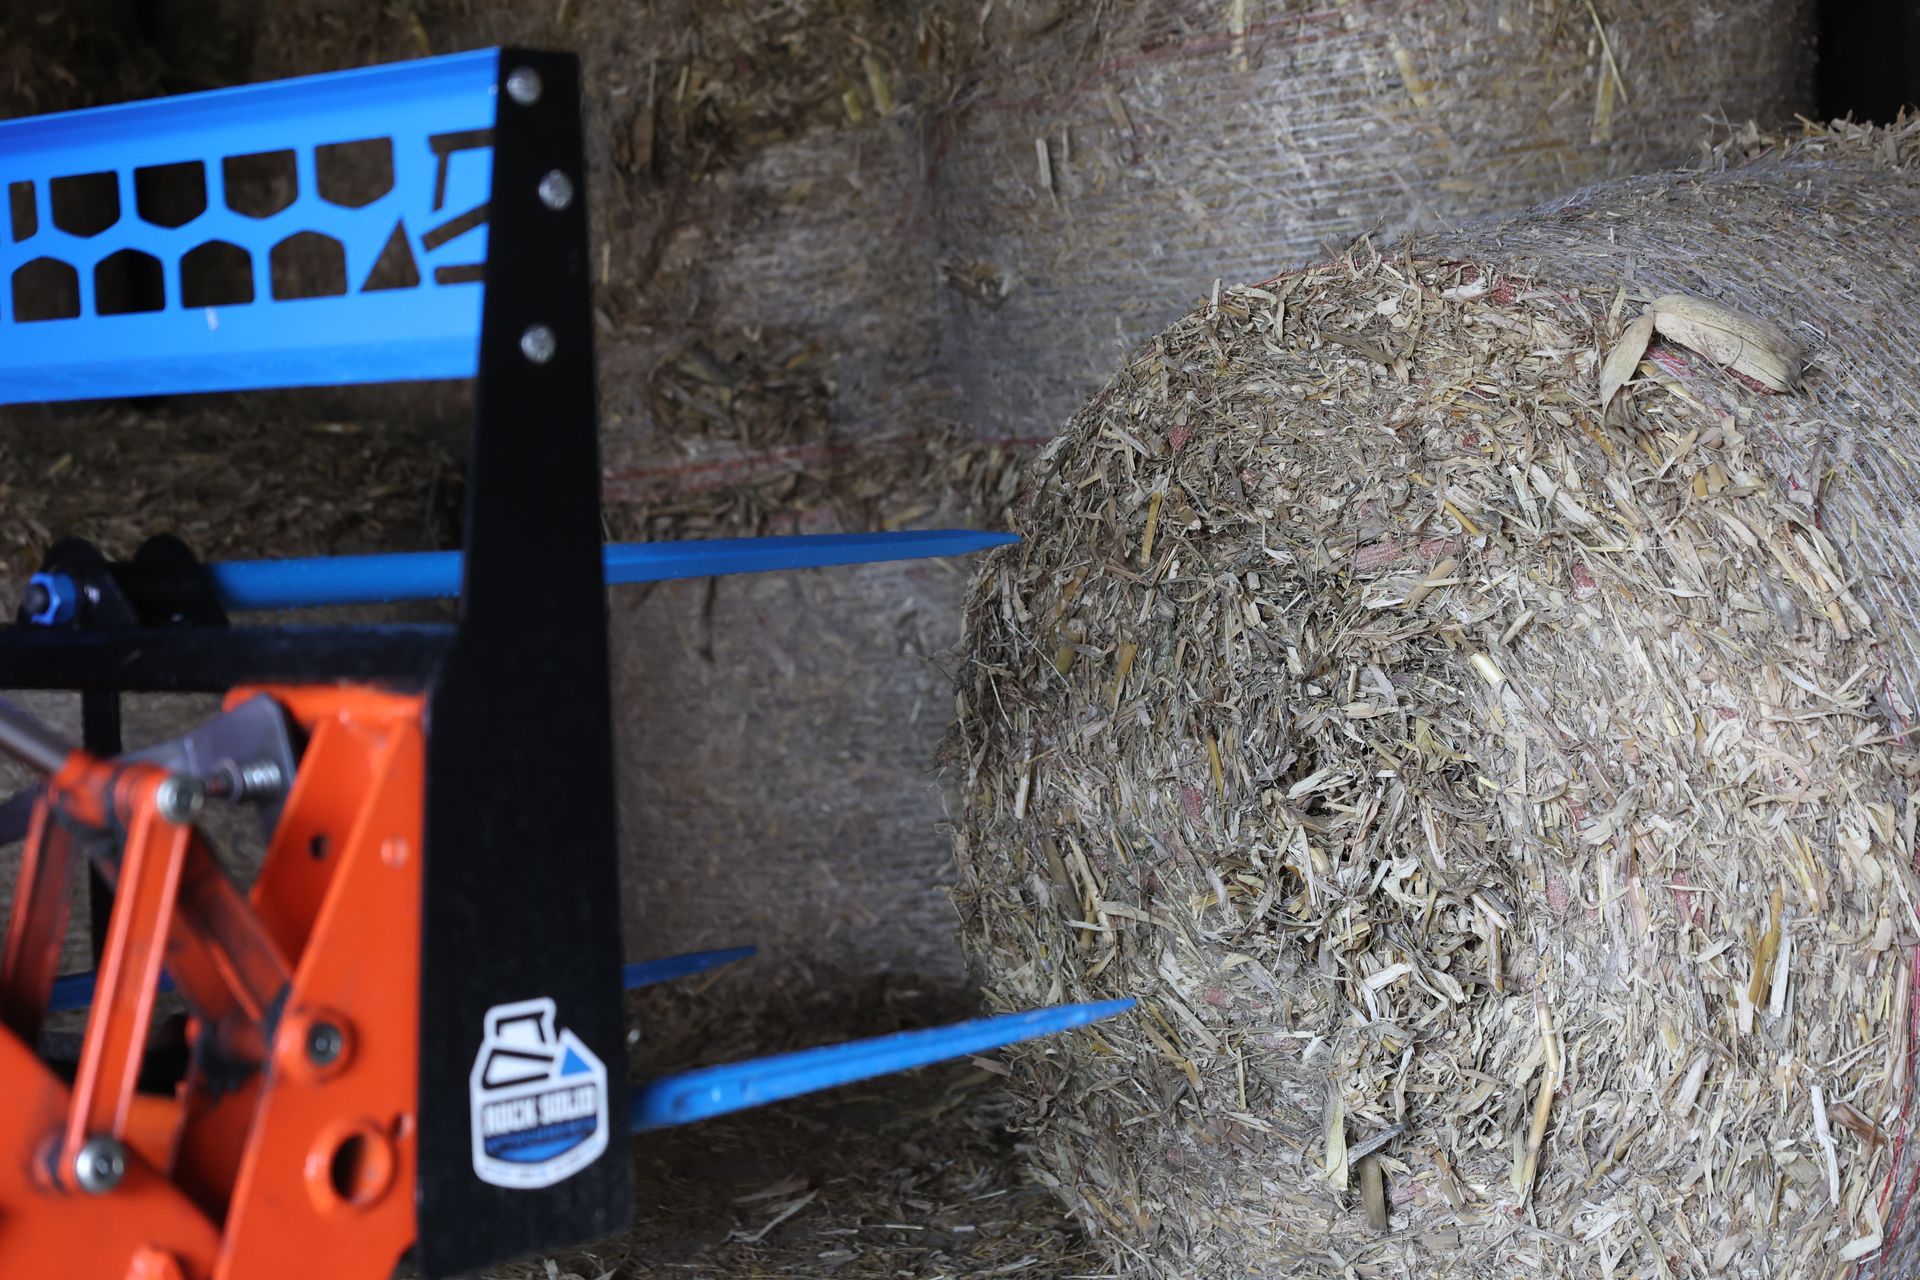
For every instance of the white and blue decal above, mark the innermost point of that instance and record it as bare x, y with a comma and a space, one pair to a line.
539, 1099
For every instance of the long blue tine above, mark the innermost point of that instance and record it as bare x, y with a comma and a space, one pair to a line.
247, 585
738, 1086
648, 972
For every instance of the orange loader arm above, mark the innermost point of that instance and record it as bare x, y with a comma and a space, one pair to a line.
292, 1134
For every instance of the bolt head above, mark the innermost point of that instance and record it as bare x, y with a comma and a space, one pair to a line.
523, 85
325, 1042
180, 798
556, 190
100, 1165
538, 343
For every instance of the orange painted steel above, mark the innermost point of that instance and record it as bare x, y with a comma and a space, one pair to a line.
289, 1149
116, 1041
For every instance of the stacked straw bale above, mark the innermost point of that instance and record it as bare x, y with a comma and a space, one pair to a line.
1466, 692
1106, 163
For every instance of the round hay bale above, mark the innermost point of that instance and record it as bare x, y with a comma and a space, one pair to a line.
1109, 162
1501, 803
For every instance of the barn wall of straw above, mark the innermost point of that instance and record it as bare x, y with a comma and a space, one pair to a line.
1502, 803
1105, 164
778, 353
766, 340
750, 169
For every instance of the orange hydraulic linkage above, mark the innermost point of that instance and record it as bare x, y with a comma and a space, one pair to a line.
293, 1133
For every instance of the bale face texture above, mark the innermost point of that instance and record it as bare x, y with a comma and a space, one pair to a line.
1107, 164
1503, 812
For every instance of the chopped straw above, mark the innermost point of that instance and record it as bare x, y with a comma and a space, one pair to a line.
1451, 756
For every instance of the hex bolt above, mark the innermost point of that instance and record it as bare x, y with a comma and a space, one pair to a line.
99, 1165
538, 343
179, 798
261, 780
324, 1044
523, 85
257, 780
556, 190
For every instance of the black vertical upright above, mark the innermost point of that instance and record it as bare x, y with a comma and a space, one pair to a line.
521, 877
100, 735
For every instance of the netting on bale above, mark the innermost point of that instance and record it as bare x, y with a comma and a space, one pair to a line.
1477, 724
1104, 164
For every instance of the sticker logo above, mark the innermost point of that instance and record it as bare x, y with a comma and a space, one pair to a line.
539, 1099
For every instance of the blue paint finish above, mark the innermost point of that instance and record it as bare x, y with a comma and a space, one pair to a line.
430, 330
649, 972
248, 585
252, 585
75, 991
534, 1153
660, 561
717, 1091
63, 597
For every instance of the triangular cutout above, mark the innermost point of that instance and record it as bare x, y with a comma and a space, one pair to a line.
395, 267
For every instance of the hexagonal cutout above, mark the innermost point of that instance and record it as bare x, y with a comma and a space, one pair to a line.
46, 289
86, 203
127, 282
307, 265
353, 173
260, 185
216, 274
171, 195
26, 218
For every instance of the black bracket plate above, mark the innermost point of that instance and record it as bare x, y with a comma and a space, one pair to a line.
522, 896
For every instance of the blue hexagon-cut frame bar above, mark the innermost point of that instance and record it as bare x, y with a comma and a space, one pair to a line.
437, 114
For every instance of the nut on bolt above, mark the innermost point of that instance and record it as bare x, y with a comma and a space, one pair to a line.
538, 343
556, 190
523, 85
180, 798
325, 1043
99, 1165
